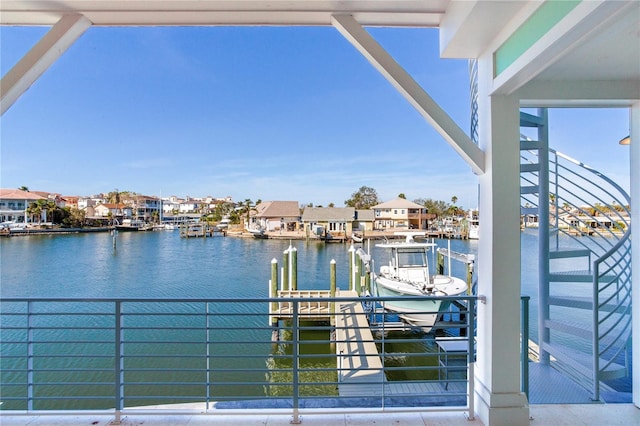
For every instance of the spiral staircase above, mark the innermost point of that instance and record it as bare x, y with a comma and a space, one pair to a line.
584, 292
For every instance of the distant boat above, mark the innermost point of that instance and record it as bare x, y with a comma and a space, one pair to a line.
356, 237
224, 223
133, 225
257, 232
166, 227
407, 274
474, 225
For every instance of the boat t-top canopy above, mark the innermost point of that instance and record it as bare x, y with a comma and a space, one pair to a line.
409, 241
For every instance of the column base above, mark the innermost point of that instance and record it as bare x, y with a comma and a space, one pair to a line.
496, 409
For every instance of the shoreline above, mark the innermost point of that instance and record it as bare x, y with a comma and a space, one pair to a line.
52, 231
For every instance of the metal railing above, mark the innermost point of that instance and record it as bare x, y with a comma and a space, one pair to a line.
223, 356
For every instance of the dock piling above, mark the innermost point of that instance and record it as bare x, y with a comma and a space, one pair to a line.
293, 254
285, 271
352, 261
273, 290
332, 290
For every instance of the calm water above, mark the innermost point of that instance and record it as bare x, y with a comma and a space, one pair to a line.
162, 265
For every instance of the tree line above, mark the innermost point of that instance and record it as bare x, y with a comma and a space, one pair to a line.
364, 198
367, 197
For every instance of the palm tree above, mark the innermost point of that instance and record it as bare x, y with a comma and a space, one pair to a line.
35, 210
246, 209
49, 207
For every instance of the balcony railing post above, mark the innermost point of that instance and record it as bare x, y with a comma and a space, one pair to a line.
596, 332
208, 355
119, 363
524, 371
30, 382
471, 318
295, 353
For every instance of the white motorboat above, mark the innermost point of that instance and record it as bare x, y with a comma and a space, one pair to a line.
257, 232
407, 274
224, 223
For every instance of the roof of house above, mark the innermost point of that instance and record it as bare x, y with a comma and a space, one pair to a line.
398, 203
278, 209
365, 215
114, 206
18, 194
329, 214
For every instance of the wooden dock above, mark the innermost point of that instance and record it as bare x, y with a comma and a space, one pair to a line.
308, 310
198, 230
360, 371
359, 365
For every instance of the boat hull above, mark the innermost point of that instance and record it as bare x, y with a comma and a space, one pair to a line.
419, 313
423, 312
125, 228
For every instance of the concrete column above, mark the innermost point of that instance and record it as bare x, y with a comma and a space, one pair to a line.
635, 245
499, 400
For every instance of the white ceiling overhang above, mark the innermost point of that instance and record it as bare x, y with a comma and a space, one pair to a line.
225, 12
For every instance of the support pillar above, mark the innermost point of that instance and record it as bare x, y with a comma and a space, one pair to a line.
499, 400
635, 245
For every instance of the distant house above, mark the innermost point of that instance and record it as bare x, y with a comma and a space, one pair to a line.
84, 203
58, 199
144, 207
14, 204
276, 215
70, 201
364, 220
400, 213
112, 210
336, 220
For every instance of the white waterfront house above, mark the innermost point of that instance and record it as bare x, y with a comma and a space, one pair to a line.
14, 204
399, 213
526, 54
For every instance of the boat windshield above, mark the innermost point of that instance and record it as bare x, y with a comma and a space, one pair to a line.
412, 258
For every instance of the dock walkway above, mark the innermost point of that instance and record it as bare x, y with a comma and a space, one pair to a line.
359, 365
360, 371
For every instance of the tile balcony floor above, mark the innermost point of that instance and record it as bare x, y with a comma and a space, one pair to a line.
543, 415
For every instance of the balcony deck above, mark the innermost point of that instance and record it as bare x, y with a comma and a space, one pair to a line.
545, 414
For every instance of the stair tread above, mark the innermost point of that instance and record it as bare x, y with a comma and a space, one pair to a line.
532, 167
565, 253
582, 361
584, 276
529, 189
574, 328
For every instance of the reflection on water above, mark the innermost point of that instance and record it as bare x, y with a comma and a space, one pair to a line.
409, 356
317, 365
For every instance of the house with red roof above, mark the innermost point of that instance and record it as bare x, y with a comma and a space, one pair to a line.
14, 204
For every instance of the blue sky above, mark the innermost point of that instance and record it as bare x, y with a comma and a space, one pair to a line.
254, 112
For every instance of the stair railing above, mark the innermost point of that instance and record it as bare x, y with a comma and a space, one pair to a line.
577, 207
